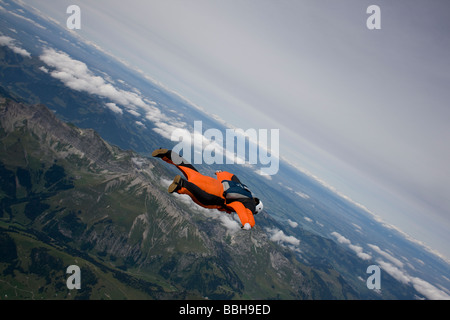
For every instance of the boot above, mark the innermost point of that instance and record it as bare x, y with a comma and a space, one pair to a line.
176, 184
159, 153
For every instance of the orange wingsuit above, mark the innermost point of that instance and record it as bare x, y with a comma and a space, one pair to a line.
207, 191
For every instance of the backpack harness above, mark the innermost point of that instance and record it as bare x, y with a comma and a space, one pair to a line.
235, 190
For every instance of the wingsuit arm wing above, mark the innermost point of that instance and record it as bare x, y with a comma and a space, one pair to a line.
244, 214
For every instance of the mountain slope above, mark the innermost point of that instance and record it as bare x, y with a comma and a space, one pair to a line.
68, 197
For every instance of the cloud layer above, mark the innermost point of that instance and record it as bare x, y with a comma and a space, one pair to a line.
357, 249
76, 75
394, 267
11, 43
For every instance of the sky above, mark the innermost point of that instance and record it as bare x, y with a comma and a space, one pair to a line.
364, 110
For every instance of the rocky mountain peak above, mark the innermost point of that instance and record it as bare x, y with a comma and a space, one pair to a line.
50, 130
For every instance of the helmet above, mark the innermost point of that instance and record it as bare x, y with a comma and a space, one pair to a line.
259, 206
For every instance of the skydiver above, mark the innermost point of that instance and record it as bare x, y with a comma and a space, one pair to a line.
225, 192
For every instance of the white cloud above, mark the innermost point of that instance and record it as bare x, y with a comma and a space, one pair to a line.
395, 272
428, 290
308, 219
302, 195
357, 226
394, 260
10, 43
139, 123
114, 108
76, 75
134, 113
359, 252
229, 223
165, 125
293, 224
267, 176
357, 249
395, 269
43, 69
279, 236
340, 238
422, 286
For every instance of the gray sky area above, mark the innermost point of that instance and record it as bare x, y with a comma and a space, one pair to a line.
364, 110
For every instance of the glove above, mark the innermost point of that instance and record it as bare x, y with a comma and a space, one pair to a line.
247, 226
